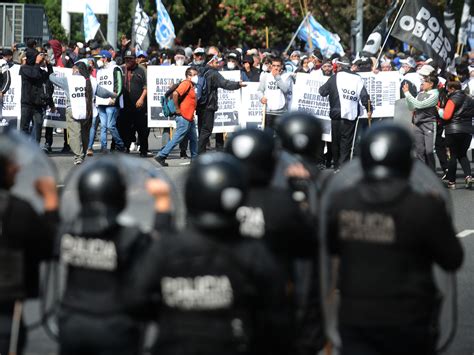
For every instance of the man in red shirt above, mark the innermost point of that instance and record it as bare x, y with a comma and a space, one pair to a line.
184, 98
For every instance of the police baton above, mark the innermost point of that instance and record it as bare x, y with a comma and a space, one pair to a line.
15, 330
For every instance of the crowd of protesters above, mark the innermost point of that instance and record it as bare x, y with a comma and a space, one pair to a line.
124, 113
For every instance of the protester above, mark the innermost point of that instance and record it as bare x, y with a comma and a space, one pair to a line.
292, 64
345, 90
133, 115
410, 77
457, 115
184, 98
424, 118
206, 112
273, 93
249, 72
303, 66
199, 55
34, 91
80, 88
109, 76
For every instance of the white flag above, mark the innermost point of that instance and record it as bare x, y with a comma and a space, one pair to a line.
164, 27
465, 21
91, 24
140, 28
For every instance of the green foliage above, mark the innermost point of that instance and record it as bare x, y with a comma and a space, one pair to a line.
235, 22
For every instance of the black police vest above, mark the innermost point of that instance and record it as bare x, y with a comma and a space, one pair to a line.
12, 286
98, 269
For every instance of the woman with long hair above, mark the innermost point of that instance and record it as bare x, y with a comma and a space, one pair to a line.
457, 116
80, 88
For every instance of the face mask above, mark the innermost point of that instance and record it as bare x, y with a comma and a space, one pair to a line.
180, 62
402, 71
231, 66
198, 62
310, 65
195, 79
295, 61
100, 64
264, 68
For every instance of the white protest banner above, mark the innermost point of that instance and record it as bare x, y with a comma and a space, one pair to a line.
57, 119
159, 80
306, 98
226, 118
11, 109
384, 91
251, 109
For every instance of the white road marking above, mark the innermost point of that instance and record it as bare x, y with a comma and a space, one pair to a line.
465, 233
187, 163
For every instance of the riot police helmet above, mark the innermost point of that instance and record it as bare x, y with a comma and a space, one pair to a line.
301, 134
387, 152
214, 189
101, 188
256, 150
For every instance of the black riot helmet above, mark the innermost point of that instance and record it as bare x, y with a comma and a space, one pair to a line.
386, 152
301, 134
214, 189
102, 190
256, 150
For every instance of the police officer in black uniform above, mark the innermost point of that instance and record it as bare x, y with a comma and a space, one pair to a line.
99, 254
388, 237
26, 238
272, 214
218, 293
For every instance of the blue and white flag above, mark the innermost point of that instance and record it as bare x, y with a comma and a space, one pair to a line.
327, 42
164, 27
91, 24
465, 22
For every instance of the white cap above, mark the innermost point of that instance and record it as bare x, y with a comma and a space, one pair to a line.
426, 70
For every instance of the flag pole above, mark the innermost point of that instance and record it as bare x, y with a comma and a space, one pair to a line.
390, 31
296, 33
310, 34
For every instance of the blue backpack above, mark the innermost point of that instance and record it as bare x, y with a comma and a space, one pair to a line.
167, 103
202, 89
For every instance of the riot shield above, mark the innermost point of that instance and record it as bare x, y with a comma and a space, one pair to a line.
31, 163
139, 209
422, 180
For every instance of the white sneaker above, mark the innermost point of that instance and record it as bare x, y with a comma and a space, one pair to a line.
133, 147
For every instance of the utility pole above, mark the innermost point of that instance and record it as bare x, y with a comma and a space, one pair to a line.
360, 25
112, 20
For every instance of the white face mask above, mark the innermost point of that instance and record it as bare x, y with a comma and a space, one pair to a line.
195, 79
401, 71
295, 61
264, 67
198, 62
100, 64
231, 65
310, 65
180, 62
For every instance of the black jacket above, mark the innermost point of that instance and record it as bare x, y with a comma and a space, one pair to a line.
36, 89
388, 237
215, 293
215, 81
253, 75
23, 229
461, 122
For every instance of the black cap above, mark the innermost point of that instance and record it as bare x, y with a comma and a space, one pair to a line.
386, 152
129, 54
94, 45
301, 134
214, 189
256, 150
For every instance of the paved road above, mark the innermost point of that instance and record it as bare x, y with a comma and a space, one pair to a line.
463, 202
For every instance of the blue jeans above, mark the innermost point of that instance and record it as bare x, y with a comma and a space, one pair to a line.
108, 121
183, 128
92, 132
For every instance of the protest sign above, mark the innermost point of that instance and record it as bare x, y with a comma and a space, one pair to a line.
306, 98
159, 80
251, 109
384, 90
57, 119
11, 108
226, 118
